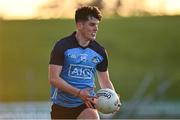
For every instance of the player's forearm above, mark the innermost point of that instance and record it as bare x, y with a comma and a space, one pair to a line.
58, 82
107, 84
104, 80
64, 86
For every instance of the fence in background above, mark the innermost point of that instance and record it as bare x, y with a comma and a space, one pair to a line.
25, 110
41, 110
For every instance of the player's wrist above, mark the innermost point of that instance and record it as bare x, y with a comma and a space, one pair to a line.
78, 93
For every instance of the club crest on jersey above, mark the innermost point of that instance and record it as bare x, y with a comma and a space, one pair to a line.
83, 57
72, 56
95, 60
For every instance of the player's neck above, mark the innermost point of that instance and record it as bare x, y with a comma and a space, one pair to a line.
81, 40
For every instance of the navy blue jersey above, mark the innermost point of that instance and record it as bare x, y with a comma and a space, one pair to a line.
79, 65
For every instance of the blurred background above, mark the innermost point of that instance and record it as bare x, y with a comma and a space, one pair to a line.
142, 38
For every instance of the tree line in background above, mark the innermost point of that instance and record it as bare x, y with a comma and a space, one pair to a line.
56, 4
55, 8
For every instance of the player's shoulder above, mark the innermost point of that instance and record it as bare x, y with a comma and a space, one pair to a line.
65, 42
98, 47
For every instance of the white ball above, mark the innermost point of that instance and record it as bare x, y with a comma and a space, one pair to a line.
108, 101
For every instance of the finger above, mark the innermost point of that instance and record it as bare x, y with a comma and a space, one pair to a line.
84, 94
93, 101
92, 105
93, 97
115, 111
88, 104
85, 98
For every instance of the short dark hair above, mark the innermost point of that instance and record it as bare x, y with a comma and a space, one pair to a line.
84, 12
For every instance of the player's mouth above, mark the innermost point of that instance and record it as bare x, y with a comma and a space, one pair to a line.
93, 34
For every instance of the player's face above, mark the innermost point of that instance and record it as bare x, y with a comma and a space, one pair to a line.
90, 28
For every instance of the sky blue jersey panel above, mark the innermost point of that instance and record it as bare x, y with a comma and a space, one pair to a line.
80, 67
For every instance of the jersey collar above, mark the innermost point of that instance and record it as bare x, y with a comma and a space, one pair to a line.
74, 38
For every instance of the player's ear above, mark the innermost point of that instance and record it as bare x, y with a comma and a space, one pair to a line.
79, 25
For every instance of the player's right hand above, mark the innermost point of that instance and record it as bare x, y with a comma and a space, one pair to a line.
85, 96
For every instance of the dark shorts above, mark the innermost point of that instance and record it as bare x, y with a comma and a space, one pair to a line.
59, 112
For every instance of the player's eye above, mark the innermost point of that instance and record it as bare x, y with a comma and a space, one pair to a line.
92, 24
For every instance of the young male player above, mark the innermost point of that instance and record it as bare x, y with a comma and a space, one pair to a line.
73, 63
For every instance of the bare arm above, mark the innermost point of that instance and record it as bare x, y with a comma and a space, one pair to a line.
58, 82
104, 80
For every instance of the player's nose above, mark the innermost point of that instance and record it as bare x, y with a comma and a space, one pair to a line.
96, 28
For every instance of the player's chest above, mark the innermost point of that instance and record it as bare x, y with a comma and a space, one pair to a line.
82, 56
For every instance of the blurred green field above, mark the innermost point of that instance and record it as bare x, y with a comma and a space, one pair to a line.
137, 47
